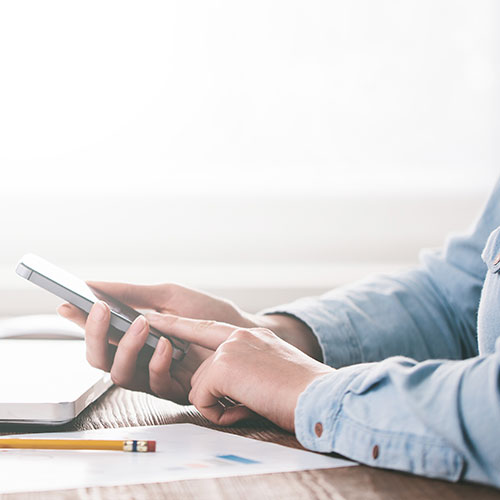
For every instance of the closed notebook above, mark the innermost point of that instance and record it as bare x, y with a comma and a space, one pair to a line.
46, 381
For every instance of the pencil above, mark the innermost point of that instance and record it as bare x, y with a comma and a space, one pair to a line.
78, 444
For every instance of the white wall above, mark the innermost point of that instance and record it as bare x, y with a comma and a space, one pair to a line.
212, 142
139, 96
256, 250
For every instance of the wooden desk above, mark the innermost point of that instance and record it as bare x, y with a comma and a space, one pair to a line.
119, 408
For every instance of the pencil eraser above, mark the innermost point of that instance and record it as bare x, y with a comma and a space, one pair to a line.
151, 445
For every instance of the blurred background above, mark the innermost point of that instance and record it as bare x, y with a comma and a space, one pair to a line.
258, 150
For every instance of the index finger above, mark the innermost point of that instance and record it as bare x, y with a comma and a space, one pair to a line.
72, 313
205, 333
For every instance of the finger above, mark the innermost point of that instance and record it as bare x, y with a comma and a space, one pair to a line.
207, 400
140, 382
181, 376
96, 341
161, 382
159, 368
200, 374
124, 364
205, 333
72, 313
141, 296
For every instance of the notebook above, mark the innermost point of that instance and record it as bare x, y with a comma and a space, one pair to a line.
46, 381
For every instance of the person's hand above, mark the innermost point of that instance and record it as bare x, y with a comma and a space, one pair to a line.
253, 366
160, 377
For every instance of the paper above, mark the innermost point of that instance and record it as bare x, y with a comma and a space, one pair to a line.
184, 451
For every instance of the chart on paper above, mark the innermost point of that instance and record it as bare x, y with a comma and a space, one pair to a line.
184, 451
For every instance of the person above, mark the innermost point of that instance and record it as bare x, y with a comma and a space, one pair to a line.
398, 371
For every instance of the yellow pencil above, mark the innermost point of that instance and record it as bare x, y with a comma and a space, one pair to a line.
78, 444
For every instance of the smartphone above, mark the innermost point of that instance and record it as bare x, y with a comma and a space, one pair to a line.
77, 292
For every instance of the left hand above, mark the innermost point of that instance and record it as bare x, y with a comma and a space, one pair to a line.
252, 366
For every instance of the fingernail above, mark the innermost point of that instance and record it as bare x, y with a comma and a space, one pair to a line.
153, 316
162, 345
138, 325
99, 310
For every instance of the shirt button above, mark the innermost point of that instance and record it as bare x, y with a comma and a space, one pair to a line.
375, 452
318, 429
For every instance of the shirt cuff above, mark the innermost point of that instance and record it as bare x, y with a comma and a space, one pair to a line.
337, 340
318, 408
322, 424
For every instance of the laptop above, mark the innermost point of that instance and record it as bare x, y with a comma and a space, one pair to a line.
46, 381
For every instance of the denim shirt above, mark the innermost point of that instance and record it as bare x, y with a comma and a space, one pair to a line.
417, 387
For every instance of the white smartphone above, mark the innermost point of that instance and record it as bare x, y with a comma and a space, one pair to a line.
77, 292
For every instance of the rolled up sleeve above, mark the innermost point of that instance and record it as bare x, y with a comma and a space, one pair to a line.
383, 316
426, 313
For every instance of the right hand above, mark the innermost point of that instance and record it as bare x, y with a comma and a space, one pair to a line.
161, 377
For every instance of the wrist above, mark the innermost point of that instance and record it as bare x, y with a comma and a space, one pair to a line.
306, 374
291, 330
312, 377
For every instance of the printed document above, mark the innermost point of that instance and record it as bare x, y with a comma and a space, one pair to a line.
183, 451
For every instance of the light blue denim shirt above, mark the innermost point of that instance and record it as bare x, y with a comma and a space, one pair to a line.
418, 356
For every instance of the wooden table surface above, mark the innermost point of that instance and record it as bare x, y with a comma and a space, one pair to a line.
121, 408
